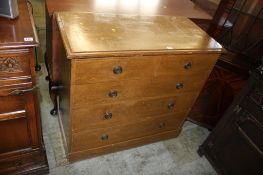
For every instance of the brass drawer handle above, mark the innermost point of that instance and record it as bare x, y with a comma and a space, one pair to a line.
20, 92
113, 93
18, 163
171, 105
107, 115
104, 137
162, 125
179, 86
188, 65
117, 70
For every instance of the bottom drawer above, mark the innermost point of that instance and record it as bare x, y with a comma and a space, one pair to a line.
17, 163
76, 156
105, 136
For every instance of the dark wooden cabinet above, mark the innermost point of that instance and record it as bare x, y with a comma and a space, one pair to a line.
235, 147
21, 145
237, 25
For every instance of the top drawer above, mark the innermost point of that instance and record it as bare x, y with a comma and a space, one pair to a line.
138, 67
14, 64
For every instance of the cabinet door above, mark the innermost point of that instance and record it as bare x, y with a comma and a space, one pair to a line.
235, 147
17, 122
238, 150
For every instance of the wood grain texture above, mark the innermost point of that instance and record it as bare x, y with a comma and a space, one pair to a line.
80, 155
14, 32
136, 67
216, 96
148, 94
13, 64
243, 41
21, 146
119, 133
159, 7
129, 111
116, 35
135, 89
16, 134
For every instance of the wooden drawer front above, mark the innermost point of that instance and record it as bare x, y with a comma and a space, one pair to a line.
13, 103
16, 89
14, 64
135, 89
186, 65
18, 122
8, 166
105, 136
115, 69
99, 115
14, 132
101, 70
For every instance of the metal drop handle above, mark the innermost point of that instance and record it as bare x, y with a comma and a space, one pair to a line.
179, 86
113, 93
107, 115
104, 137
22, 91
117, 70
188, 65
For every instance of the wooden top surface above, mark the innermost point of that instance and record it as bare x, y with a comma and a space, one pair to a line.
96, 35
19, 32
143, 7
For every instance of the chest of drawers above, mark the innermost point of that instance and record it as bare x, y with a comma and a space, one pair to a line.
160, 7
21, 145
128, 80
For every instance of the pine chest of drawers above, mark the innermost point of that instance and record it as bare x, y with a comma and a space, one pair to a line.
128, 80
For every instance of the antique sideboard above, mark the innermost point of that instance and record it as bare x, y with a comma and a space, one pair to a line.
159, 7
21, 146
127, 80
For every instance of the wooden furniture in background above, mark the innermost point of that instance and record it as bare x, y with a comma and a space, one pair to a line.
237, 25
157, 7
123, 86
21, 145
235, 146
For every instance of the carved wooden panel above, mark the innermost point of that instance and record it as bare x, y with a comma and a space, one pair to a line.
10, 65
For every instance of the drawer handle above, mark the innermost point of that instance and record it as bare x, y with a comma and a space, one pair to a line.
104, 137
179, 86
108, 115
188, 65
113, 93
171, 105
17, 163
20, 92
162, 125
117, 70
